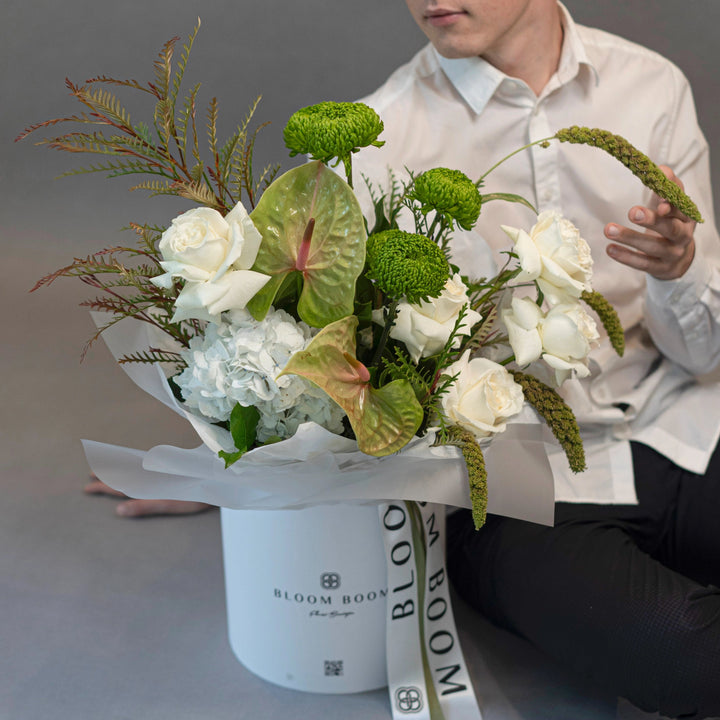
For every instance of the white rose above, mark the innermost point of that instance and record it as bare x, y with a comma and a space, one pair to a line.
567, 333
483, 396
563, 337
521, 322
426, 327
554, 254
213, 254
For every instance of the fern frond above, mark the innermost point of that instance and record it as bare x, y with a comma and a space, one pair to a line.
106, 105
82, 118
484, 330
401, 367
246, 177
163, 68
212, 116
266, 177
157, 187
198, 192
134, 84
117, 170
164, 122
182, 64
154, 355
183, 118
196, 173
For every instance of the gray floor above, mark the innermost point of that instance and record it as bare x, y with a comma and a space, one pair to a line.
117, 619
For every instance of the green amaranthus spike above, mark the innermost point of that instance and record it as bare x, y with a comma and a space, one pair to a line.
639, 165
449, 193
477, 474
608, 317
333, 130
557, 414
406, 265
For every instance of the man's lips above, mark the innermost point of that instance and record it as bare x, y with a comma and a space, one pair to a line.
441, 17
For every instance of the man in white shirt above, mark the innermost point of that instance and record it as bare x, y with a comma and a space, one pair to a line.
620, 588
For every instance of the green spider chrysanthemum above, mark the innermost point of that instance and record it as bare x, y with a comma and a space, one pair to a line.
639, 165
406, 265
450, 193
332, 130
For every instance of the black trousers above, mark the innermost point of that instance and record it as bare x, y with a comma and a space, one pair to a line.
628, 596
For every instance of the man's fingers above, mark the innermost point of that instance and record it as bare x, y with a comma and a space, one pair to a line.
98, 487
670, 175
145, 508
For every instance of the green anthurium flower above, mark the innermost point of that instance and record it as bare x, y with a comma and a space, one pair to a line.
311, 224
384, 419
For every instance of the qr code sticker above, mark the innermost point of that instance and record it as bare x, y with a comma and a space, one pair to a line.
333, 668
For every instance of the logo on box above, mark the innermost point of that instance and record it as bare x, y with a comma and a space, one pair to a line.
330, 581
409, 700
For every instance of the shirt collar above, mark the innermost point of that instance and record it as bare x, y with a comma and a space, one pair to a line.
477, 80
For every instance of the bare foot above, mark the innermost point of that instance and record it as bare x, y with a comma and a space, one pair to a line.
132, 507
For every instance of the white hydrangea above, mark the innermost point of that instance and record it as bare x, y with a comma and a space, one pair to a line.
238, 360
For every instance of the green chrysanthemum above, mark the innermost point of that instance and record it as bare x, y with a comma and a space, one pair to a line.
639, 165
477, 473
406, 265
450, 193
332, 130
608, 317
557, 414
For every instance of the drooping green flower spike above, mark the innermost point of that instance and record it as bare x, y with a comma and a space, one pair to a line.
406, 265
557, 414
477, 473
608, 317
333, 130
450, 193
639, 165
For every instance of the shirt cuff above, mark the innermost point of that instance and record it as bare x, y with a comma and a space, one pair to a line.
675, 293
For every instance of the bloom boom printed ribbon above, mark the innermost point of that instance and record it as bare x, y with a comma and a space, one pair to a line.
427, 675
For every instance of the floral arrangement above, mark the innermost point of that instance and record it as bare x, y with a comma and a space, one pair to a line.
281, 305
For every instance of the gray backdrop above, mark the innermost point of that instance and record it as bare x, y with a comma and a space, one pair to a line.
293, 53
114, 619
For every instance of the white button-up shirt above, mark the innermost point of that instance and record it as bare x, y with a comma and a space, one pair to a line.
466, 114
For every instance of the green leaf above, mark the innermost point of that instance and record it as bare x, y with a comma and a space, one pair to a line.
243, 428
508, 197
384, 419
311, 223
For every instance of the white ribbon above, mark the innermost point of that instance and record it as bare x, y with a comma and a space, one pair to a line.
427, 675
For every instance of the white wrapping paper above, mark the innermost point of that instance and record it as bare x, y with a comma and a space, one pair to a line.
314, 466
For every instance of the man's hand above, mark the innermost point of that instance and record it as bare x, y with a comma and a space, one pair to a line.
131, 507
665, 249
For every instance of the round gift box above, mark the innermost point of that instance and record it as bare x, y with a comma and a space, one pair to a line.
306, 594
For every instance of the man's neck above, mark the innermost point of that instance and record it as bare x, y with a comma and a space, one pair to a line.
531, 50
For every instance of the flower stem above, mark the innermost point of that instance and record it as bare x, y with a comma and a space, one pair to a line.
389, 322
514, 152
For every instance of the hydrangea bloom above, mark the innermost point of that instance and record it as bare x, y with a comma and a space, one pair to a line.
238, 360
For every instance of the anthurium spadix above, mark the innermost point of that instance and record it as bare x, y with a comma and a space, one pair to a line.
383, 419
311, 224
